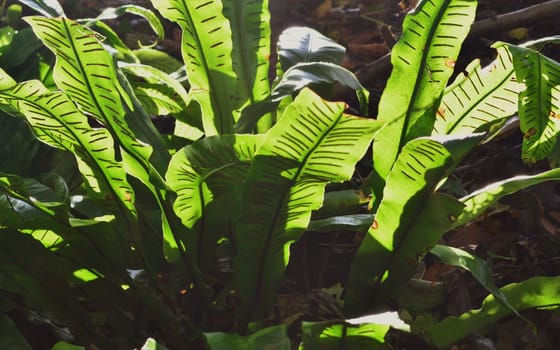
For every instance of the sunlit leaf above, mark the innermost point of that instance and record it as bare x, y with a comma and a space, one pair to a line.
410, 219
202, 172
148, 15
152, 344
269, 338
313, 143
423, 60
56, 121
477, 268
477, 202
304, 44
479, 96
48, 8
207, 50
296, 78
157, 99
532, 293
539, 109
250, 27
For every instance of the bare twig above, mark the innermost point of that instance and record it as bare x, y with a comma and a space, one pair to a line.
517, 18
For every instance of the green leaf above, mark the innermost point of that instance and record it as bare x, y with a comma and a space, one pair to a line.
207, 168
539, 110
151, 344
10, 337
85, 71
48, 8
40, 277
296, 78
55, 120
157, 99
356, 222
113, 43
366, 332
35, 196
158, 59
6, 81
314, 143
202, 172
477, 268
142, 121
154, 75
477, 202
479, 96
207, 51
532, 293
410, 220
39, 211
62, 345
148, 15
269, 338
250, 26
303, 44
340, 202
304, 74
339, 335
6, 38
20, 150
423, 60
24, 44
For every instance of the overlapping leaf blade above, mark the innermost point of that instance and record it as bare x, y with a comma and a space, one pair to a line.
365, 332
154, 75
268, 338
424, 58
296, 78
303, 44
533, 293
56, 121
479, 96
85, 71
204, 171
48, 8
539, 108
148, 15
250, 26
314, 143
27, 203
410, 219
40, 278
477, 268
207, 51
157, 99
479, 201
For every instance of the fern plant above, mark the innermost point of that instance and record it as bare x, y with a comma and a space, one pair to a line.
168, 234
122, 235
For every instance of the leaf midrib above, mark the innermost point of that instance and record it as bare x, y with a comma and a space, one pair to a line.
424, 196
477, 103
277, 214
203, 204
240, 29
107, 179
214, 100
419, 76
